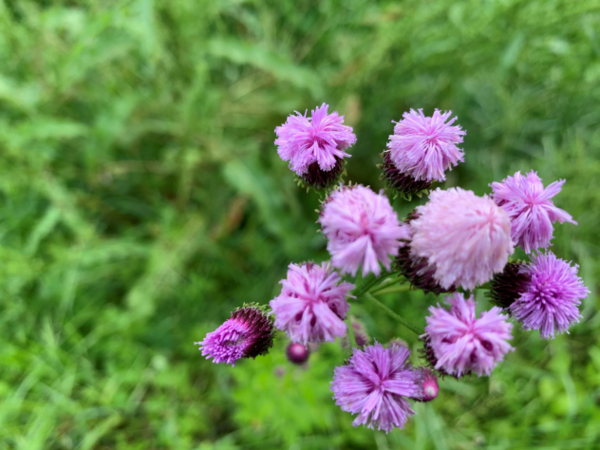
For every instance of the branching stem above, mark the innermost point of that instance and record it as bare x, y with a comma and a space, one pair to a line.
415, 329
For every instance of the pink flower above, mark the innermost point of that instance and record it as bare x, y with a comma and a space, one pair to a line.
362, 229
461, 343
425, 147
464, 238
321, 139
375, 384
530, 208
312, 304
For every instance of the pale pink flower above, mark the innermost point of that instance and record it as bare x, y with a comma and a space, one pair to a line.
362, 230
465, 238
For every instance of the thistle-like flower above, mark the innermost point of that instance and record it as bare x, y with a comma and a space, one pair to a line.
312, 305
549, 300
462, 343
425, 147
530, 208
464, 239
248, 333
315, 145
362, 229
375, 384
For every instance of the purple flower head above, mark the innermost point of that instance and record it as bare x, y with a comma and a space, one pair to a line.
312, 304
297, 353
461, 343
246, 334
551, 298
466, 238
319, 140
362, 229
530, 208
425, 147
375, 384
428, 384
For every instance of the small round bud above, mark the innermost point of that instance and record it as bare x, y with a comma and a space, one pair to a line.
428, 384
297, 353
397, 342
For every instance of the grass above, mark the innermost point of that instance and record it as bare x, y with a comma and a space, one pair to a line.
142, 200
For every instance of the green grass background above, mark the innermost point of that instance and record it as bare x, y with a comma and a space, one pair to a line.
143, 199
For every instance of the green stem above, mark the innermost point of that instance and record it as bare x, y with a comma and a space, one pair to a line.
415, 329
391, 290
368, 282
351, 336
387, 283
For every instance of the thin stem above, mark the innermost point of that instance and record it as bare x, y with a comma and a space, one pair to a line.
368, 282
391, 290
351, 336
415, 329
387, 283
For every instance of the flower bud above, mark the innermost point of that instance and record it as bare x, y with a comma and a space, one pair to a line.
297, 353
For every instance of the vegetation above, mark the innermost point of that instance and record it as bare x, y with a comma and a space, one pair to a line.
143, 199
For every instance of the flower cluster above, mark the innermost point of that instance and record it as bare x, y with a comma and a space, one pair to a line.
456, 240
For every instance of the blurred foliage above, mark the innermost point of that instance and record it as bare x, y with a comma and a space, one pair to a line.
143, 200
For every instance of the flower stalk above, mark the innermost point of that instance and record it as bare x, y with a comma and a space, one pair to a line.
412, 327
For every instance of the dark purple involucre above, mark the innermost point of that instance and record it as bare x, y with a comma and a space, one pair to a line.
418, 271
317, 178
248, 333
508, 285
401, 182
